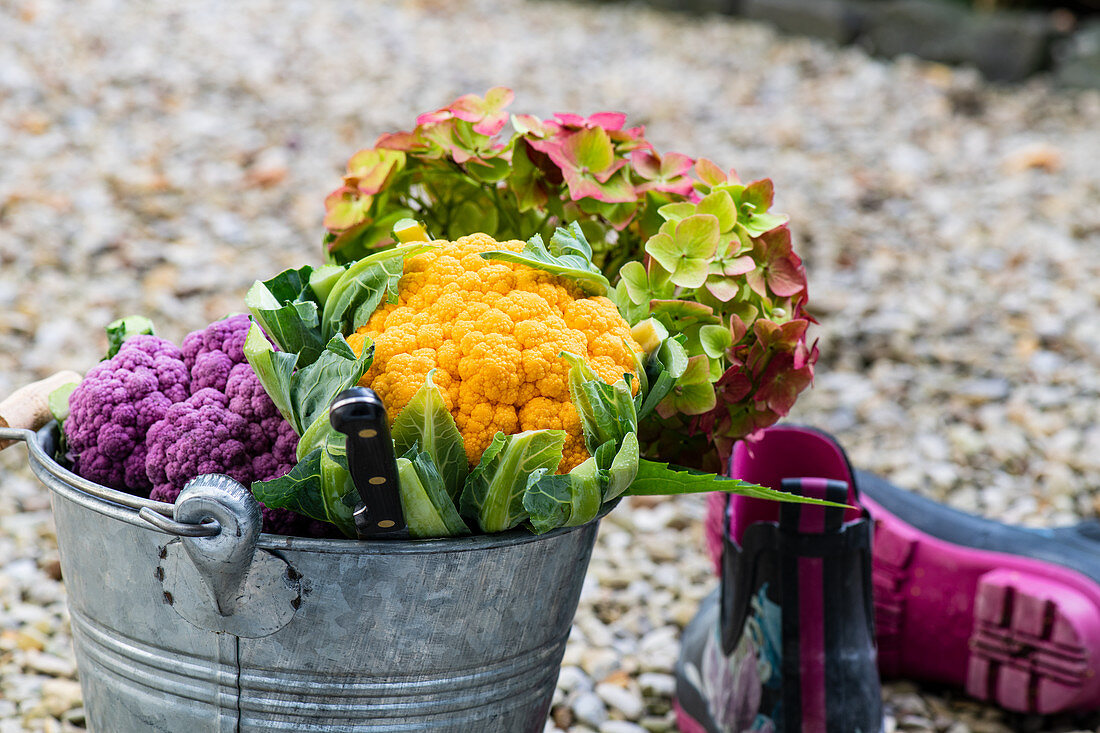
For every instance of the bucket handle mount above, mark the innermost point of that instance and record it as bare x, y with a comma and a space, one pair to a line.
215, 575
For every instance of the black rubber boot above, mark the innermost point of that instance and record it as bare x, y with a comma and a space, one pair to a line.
787, 643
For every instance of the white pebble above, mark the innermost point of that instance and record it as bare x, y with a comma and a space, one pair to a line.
572, 678
590, 709
654, 683
627, 702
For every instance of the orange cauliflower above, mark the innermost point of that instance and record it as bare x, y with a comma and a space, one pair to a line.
494, 331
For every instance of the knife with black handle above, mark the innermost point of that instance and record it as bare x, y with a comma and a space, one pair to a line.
360, 415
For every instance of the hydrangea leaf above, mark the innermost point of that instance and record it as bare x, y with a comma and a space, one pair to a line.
759, 194
346, 207
367, 235
487, 114
720, 205
715, 340
693, 393
532, 125
662, 247
683, 310
631, 312
722, 287
734, 266
527, 181
676, 211
686, 253
588, 164
611, 121
591, 150
757, 224
473, 215
698, 235
636, 280
491, 170
616, 189
709, 173
778, 268
370, 170
619, 213
663, 172
785, 279
691, 272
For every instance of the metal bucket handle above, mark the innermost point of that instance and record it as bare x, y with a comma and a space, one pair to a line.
217, 522
27, 410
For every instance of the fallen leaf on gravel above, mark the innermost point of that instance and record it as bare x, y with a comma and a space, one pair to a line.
1042, 156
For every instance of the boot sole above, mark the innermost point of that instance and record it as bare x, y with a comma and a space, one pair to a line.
1016, 631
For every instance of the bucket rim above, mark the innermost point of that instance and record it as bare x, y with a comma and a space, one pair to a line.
124, 507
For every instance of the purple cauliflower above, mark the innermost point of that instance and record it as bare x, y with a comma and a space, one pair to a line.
154, 416
114, 406
228, 425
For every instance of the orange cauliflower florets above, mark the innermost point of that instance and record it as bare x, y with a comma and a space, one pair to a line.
493, 330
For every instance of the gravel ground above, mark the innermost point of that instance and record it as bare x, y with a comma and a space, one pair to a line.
157, 157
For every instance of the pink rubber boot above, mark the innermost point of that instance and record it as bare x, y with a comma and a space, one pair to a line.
1010, 614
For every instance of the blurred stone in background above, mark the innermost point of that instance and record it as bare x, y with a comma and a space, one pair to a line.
1007, 40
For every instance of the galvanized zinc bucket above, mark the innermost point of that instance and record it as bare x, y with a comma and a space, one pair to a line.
187, 618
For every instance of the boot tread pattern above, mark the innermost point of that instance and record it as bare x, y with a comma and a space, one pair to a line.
1027, 651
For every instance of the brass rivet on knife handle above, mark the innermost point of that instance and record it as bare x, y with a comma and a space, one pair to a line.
28, 407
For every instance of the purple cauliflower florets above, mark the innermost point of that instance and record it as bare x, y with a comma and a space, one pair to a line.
228, 425
155, 416
211, 353
114, 406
